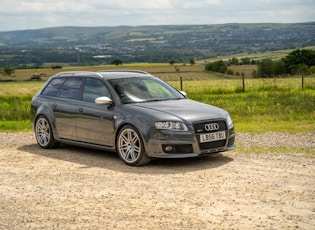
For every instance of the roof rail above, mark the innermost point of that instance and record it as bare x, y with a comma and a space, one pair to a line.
123, 70
74, 72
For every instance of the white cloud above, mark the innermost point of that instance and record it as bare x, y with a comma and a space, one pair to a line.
55, 7
29, 14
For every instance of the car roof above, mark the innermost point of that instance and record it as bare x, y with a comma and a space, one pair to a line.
105, 74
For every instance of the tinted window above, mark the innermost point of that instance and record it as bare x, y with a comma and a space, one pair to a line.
53, 87
93, 89
71, 88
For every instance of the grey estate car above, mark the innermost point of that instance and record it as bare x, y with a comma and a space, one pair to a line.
132, 113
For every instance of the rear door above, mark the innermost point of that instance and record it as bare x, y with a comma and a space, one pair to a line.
65, 108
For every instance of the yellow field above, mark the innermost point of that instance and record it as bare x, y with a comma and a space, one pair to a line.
246, 69
191, 82
273, 55
193, 77
24, 74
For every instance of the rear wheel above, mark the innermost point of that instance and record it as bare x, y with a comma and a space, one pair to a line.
44, 134
130, 147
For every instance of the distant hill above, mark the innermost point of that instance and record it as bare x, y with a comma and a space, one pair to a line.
89, 45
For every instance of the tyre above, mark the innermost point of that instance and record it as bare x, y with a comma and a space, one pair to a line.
44, 134
130, 147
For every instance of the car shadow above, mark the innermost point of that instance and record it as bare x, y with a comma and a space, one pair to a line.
88, 158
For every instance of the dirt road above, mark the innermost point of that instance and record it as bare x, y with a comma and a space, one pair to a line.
77, 188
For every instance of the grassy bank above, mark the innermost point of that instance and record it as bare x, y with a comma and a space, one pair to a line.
259, 109
15, 113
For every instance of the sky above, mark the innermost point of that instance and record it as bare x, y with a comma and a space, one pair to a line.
36, 14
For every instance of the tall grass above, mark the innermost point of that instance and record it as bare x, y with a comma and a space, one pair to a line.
15, 113
263, 106
269, 105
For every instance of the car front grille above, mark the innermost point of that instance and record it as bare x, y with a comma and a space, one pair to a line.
200, 128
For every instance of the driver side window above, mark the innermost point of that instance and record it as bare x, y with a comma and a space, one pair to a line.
94, 88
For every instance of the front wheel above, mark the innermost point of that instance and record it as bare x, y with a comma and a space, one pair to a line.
130, 147
44, 134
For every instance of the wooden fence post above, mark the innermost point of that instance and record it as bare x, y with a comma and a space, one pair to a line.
243, 81
181, 83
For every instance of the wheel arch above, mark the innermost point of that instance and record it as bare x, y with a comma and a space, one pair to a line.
48, 113
123, 125
142, 157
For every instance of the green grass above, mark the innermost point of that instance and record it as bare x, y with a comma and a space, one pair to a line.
15, 126
266, 105
261, 111
15, 113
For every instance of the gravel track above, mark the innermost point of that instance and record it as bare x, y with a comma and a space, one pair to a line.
78, 188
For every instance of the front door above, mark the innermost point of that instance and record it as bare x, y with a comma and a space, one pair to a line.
95, 123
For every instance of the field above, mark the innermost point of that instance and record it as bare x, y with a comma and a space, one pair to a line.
279, 103
273, 55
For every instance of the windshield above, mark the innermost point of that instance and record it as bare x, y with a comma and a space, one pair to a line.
132, 90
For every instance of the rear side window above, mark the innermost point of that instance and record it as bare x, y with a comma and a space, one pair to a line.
71, 88
53, 87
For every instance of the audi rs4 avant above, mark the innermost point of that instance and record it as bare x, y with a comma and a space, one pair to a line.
133, 113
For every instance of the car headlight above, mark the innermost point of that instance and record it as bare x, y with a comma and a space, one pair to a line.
229, 120
171, 125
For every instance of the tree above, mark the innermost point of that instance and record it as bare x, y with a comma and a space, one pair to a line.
269, 68
233, 61
296, 59
303, 69
230, 72
8, 71
217, 66
245, 61
116, 62
172, 62
192, 62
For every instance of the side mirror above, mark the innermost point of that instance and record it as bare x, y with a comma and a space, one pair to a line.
103, 101
184, 93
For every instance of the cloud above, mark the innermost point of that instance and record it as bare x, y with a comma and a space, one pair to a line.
31, 14
54, 7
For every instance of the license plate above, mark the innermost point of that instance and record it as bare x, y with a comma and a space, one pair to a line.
208, 137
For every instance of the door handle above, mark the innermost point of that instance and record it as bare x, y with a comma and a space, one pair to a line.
80, 110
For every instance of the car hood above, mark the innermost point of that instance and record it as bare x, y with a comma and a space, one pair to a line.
184, 109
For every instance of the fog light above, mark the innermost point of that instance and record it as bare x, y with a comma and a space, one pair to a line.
168, 148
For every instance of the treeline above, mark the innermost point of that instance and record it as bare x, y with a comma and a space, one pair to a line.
296, 62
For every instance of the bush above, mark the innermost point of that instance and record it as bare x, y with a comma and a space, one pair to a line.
56, 67
217, 66
230, 72
7, 71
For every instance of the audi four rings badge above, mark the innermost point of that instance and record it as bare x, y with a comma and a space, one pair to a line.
212, 127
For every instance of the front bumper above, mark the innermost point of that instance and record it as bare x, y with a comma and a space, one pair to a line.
186, 144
